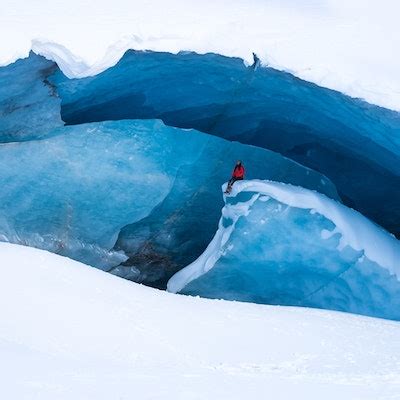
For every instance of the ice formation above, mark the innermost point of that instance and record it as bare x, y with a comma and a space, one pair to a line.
355, 144
29, 105
126, 196
281, 244
103, 192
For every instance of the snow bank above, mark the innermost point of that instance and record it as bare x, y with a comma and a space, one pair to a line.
348, 46
68, 331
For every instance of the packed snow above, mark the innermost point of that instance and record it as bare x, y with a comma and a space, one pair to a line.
345, 45
69, 331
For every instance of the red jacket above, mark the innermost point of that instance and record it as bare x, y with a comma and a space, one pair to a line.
238, 172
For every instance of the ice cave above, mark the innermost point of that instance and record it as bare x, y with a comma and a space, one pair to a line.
123, 170
353, 143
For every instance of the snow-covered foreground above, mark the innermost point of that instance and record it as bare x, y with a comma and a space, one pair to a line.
68, 331
345, 45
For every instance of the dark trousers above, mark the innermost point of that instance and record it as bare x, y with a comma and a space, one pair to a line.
233, 180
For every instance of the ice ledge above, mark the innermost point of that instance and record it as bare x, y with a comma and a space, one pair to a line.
356, 230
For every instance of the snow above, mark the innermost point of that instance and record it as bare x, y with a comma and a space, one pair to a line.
347, 46
296, 247
69, 331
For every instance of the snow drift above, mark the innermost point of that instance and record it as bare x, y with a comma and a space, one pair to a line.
69, 331
280, 244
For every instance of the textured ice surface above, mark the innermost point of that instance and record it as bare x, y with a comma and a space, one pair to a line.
29, 105
150, 189
279, 244
355, 144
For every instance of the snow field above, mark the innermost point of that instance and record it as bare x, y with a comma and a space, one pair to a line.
71, 331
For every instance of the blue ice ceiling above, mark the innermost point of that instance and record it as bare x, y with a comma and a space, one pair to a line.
355, 144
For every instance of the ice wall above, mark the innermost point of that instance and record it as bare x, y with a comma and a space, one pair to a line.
29, 104
103, 192
280, 244
355, 144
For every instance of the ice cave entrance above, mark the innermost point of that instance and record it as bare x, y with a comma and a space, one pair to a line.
355, 144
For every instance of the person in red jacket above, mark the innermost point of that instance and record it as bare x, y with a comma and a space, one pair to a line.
237, 175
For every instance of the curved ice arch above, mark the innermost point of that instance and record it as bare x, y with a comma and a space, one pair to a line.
283, 244
354, 143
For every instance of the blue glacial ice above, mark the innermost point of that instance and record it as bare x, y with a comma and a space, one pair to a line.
29, 104
355, 144
282, 244
131, 192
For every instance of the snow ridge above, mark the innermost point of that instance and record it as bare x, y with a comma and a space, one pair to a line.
338, 44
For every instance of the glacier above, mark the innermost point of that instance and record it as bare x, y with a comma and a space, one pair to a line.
126, 196
355, 144
281, 244
116, 133
29, 104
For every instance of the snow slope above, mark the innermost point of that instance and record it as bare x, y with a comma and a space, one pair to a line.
340, 44
68, 331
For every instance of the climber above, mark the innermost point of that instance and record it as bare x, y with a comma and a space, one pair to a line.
237, 175
256, 62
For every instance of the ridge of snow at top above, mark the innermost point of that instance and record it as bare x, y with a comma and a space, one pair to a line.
342, 45
70, 331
